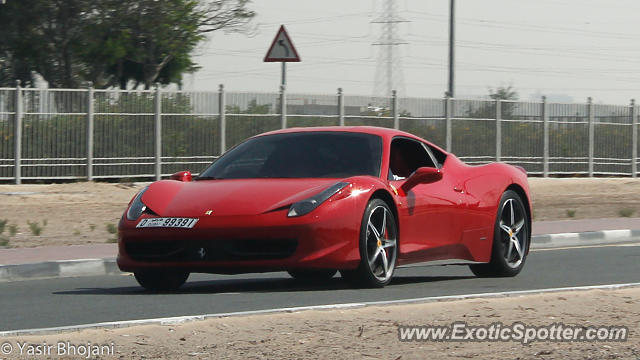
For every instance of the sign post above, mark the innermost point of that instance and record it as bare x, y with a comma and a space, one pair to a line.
282, 50
284, 74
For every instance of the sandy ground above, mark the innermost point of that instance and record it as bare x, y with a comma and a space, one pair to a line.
588, 198
81, 213
75, 213
372, 332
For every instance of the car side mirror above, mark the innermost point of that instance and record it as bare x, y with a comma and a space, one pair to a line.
184, 176
423, 175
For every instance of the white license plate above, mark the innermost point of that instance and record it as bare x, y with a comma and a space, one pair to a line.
186, 223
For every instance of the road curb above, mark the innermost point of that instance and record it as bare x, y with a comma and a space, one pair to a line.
56, 269
99, 267
604, 237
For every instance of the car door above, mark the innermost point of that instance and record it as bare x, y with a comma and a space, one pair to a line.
427, 211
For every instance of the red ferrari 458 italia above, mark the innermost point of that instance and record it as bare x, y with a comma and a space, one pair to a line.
314, 201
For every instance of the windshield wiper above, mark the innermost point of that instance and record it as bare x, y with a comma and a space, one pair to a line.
208, 178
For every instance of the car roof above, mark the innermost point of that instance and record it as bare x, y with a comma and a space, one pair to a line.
385, 133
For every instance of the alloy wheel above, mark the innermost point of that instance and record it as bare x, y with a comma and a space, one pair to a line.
381, 243
514, 233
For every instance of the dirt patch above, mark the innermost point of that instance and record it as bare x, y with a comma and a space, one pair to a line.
553, 199
67, 214
84, 213
372, 332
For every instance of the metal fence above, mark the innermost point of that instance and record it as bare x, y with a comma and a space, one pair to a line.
48, 134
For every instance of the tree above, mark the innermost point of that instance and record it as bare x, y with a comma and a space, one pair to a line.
155, 39
146, 41
476, 137
20, 43
509, 95
503, 93
488, 110
43, 37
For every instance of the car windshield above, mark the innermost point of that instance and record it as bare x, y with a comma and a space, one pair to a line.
300, 155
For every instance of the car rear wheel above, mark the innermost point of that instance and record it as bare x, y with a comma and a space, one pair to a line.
378, 247
511, 239
312, 274
161, 280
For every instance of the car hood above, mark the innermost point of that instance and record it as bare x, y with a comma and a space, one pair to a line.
229, 197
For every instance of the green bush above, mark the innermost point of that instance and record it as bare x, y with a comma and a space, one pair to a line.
3, 224
35, 227
13, 229
626, 212
111, 228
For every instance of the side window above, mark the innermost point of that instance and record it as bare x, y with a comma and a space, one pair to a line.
437, 154
405, 157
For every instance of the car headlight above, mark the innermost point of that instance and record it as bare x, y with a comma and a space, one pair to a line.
137, 206
306, 206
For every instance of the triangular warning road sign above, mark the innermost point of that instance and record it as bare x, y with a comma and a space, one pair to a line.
282, 48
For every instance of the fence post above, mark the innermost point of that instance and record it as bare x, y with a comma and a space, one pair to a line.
158, 132
394, 109
498, 129
90, 133
283, 107
634, 139
17, 135
222, 109
447, 119
340, 107
591, 134
545, 140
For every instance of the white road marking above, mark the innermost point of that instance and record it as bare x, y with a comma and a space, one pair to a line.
586, 247
469, 262
182, 319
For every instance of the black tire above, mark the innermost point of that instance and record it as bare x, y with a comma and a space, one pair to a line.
161, 280
373, 271
312, 274
512, 222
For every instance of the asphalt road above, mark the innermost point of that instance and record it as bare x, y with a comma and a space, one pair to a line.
74, 301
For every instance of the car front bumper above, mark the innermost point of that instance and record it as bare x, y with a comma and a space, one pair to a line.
326, 238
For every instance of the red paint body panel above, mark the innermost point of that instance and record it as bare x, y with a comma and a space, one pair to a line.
169, 198
452, 218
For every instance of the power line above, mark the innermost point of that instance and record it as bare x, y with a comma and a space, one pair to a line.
607, 53
386, 79
523, 26
303, 44
313, 20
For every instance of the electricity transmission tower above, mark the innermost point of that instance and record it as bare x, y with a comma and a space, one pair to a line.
389, 65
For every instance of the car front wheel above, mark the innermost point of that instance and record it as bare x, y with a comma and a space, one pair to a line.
378, 247
161, 280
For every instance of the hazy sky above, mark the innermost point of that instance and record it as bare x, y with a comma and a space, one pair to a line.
578, 48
